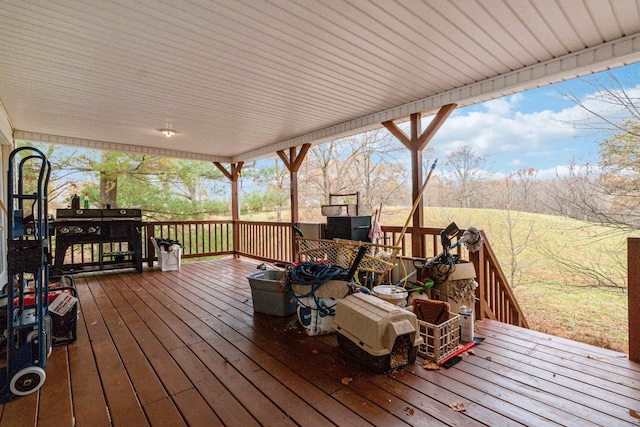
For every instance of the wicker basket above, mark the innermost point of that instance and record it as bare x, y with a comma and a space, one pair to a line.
379, 259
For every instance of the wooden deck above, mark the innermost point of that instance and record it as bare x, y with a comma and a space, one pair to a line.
185, 348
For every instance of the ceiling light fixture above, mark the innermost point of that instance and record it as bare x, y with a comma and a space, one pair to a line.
168, 132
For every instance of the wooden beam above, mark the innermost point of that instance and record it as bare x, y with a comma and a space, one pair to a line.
416, 143
295, 159
397, 132
633, 295
233, 175
434, 126
236, 170
293, 187
417, 248
300, 157
285, 159
293, 163
224, 170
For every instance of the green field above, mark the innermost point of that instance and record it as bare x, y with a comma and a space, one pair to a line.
570, 275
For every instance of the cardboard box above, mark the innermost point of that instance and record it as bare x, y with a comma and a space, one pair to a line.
464, 270
444, 291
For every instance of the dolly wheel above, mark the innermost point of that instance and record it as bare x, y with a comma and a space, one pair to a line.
27, 380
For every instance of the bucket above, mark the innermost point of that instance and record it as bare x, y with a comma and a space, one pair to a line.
393, 294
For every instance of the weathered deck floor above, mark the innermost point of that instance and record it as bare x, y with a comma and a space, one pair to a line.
185, 348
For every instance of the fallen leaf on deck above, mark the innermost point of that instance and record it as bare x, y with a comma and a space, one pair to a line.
430, 365
346, 380
314, 351
471, 352
634, 414
409, 410
488, 358
458, 406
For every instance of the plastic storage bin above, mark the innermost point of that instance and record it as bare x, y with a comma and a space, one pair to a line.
269, 293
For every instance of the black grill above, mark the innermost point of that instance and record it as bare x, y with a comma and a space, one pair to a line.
99, 226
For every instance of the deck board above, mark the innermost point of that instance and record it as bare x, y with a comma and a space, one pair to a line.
186, 348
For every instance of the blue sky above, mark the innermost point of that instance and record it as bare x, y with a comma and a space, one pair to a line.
531, 129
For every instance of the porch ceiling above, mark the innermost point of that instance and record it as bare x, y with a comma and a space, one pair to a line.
241, 79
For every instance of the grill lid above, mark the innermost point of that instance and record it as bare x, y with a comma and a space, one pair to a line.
66, 215
122, 213
75, 214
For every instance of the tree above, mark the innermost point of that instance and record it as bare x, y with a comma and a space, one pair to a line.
609, 107
608, 192
620, 173
467, 171
376, 170
324, 170
516, 199
369, 163
272, 193
166, 188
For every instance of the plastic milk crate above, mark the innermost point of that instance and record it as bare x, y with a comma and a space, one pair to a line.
439, 340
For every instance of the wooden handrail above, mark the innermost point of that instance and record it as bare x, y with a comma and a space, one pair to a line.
496, 299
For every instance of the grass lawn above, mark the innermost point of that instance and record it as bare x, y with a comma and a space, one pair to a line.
569, 276
593, 316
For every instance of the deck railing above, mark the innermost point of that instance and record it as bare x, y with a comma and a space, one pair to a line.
198, 238
265, 241
273, 242
496, 299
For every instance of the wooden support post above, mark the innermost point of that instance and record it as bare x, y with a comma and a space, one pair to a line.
417, 247
293, 163
633, 292
416, 144
233, 175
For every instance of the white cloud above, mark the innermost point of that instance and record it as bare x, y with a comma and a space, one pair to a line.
489, 132
563, 171
557, 171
